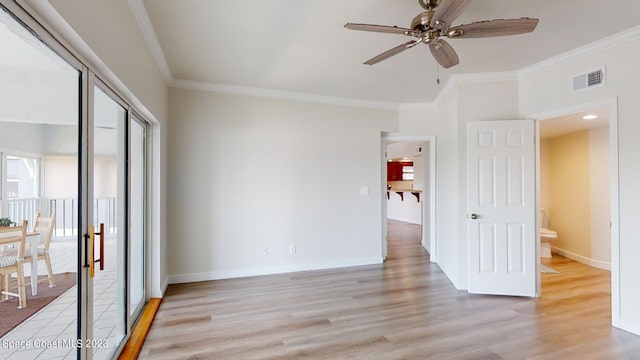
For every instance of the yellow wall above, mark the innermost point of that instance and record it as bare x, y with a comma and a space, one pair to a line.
544, 176
569, 209
600, 194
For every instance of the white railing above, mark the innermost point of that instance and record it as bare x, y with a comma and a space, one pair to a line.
66, 210
104, 211
23, 209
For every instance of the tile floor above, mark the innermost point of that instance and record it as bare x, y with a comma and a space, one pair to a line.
56, 322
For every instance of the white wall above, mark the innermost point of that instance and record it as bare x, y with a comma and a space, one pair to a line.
447, 241
548, 89
418, 120
249, 172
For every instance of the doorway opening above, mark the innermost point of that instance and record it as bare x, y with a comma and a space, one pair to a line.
408, 178
577, 200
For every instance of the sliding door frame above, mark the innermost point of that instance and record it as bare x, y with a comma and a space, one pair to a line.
122, 208
24, 14
146, 203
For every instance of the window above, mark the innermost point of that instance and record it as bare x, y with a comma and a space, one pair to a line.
22, 178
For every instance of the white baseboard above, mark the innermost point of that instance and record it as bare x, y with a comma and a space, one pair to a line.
425, 244
632, 327
453, 280
165, 285
582, 259
270, 270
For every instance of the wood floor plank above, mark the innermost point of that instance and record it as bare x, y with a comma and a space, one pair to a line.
403, 309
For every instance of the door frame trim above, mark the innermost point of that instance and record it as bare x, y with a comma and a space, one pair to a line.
612, 104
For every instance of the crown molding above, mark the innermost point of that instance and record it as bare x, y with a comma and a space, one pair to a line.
607, 43
142, 17
416, 106
282, 95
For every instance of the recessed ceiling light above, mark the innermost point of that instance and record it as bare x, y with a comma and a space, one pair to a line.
590, 117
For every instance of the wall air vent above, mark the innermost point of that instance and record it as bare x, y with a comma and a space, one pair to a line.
588, 80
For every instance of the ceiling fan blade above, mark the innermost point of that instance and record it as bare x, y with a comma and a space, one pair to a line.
444, 53
491, 28
389, 53
448, 11
379, 28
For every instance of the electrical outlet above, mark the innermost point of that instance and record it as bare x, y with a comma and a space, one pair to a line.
292, 249
265, 250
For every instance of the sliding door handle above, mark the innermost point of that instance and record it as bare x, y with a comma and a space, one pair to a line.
92, 252
92, 241
101, 234
101, 246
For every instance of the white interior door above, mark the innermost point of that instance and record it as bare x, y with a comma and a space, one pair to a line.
501, 207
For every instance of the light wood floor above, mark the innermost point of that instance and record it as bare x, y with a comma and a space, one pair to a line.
404, 309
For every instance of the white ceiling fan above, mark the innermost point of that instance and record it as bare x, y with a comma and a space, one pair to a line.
432, 25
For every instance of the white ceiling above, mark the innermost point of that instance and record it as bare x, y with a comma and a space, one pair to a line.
567, 124
301, 46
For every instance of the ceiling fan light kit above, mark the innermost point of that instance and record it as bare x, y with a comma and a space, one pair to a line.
430, 26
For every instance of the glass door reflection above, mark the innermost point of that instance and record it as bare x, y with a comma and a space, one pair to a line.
40, 117
137, 233
109, 220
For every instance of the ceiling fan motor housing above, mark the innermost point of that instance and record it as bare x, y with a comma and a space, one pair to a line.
422, 21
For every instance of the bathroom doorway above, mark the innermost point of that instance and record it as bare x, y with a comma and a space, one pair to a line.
575, 196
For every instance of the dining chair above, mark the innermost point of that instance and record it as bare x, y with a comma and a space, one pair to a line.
13, 263
43, 226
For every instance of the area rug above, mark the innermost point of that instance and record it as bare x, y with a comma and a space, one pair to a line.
548, 270
12, 316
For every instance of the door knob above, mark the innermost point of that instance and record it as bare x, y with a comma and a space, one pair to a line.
474, 216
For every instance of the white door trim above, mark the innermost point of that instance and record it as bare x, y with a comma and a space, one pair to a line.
431, 140
612, 104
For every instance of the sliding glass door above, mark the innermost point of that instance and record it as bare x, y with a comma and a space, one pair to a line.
40, 122
138, 215
71, 150
109, 215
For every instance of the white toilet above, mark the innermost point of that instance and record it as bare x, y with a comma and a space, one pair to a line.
546, 236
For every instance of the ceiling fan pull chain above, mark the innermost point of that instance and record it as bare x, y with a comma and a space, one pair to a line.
438, 74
